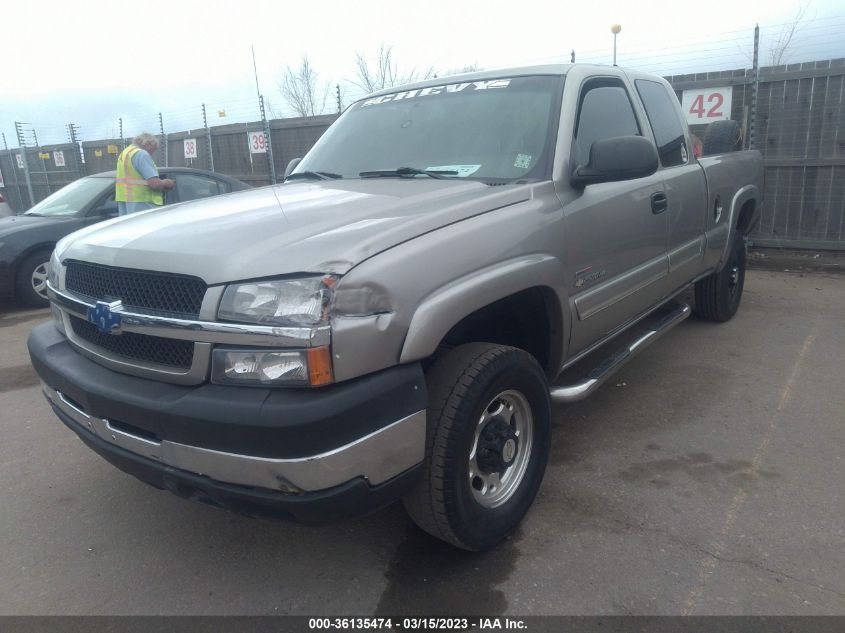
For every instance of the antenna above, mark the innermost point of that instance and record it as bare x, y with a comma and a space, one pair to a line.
255, 70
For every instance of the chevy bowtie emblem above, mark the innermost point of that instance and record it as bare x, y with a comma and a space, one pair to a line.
106, 316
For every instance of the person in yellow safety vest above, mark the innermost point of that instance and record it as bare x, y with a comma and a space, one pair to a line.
137, 184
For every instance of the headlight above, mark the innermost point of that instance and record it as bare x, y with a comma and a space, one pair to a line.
268, 368
302, 302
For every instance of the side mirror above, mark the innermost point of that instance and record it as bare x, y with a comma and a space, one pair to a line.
614, 159
291, 166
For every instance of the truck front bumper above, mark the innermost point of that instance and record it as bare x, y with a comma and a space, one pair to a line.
313, 455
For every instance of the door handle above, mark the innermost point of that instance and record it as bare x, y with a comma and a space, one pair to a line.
659, 202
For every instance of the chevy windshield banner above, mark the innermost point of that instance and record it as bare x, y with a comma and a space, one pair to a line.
472, 86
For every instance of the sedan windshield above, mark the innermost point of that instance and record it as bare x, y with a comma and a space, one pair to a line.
73, 198
496, 131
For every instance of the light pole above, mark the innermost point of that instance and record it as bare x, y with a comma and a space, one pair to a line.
615, 29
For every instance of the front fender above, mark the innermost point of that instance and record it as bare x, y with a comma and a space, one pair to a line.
440, 311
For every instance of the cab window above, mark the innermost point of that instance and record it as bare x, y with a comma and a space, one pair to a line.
605, 112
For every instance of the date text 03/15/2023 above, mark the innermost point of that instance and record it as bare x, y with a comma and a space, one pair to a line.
415, 624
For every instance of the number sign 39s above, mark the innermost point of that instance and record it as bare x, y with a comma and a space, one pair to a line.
190, 148
257, 143
705, 106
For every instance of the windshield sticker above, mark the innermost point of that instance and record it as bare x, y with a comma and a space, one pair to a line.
472, 86
463, 170
523, 161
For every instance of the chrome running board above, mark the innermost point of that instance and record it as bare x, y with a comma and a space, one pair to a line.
650, 329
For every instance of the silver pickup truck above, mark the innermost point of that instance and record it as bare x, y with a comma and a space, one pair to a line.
396, 319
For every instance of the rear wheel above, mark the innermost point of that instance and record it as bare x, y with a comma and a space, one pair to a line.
31, 282
487, 444
717, 297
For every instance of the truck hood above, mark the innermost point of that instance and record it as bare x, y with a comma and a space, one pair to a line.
316, 227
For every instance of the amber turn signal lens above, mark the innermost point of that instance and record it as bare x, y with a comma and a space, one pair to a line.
320, 366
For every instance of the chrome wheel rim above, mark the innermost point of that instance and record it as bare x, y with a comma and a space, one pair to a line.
39, 280
501, 449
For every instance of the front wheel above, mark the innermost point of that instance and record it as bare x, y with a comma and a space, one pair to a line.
717, 297
487, 444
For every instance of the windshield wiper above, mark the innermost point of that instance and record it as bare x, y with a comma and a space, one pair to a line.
402, 172
320, 175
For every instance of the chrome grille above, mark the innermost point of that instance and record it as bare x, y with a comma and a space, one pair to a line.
155, 293
137, 347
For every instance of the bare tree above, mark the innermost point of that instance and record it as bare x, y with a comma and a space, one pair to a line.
385, 73
302, 89
272, 110
778, 49
469, 68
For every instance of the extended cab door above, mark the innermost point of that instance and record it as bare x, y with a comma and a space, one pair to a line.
683, 180
616, 232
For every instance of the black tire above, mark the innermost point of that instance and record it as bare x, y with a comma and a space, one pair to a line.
721, 137
717, 297
465, 384
35, 264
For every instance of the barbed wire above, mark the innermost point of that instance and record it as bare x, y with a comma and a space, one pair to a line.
725, 50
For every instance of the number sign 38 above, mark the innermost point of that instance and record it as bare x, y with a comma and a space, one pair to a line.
705, 106
190, 148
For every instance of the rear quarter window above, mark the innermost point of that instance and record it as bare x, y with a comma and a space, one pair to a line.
663, 116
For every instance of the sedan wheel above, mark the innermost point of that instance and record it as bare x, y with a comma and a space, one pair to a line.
31, 280
39, 280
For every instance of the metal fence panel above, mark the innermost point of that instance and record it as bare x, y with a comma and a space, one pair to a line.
98, 158
15, 189
800, 130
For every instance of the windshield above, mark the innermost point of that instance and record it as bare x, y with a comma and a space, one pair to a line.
494, 130
73, 198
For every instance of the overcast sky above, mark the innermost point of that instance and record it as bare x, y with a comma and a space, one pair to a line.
92, 62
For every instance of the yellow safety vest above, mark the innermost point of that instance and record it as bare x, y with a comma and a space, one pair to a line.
130, 185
